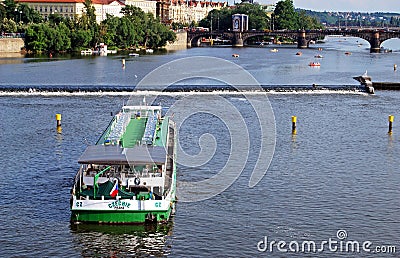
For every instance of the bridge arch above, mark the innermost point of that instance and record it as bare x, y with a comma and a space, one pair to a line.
194, 37
392, 44
374, 36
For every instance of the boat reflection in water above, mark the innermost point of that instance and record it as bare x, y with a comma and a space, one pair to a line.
122, 240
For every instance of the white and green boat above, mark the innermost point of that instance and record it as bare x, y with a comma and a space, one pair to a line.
129, 175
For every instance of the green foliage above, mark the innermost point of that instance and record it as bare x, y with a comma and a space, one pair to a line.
258, 19
10, 7
285, 17
135, 28
222, 19
35, 38
8, 25
80, 39
3, 14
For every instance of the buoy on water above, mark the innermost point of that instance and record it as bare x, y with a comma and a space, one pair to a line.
58, 119
391, 119
123, 63
294, 121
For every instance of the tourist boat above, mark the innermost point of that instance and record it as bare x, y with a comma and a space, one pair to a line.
235, 55
274, 50
134, 54
129, 175
299, 53
149, 50
315, 64
318, 56
347, 53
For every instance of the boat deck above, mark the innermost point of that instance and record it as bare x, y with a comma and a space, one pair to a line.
134, 132
104, 189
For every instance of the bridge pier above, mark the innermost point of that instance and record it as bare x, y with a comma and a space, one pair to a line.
301, 40
375, 43
238, 40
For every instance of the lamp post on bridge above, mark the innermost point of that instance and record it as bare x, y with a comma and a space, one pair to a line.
211, 24
218, 21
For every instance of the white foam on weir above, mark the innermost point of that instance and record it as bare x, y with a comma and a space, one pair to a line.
185, 93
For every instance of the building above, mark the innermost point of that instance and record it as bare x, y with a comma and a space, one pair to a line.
72, 8
192, 11
146, 5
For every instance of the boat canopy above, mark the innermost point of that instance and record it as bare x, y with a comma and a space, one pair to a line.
116, 155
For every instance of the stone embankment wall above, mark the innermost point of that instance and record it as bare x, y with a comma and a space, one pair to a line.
180, 43
11, 45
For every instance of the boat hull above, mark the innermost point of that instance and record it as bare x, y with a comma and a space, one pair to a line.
119, 217
121, 211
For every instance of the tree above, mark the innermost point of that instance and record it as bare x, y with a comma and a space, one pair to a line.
307, 22
10, 7
258, 19
35, 38
285, 16
222, 19
8, 25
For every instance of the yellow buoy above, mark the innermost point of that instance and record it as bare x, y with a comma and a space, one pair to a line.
294, 121
58, 118
391, 119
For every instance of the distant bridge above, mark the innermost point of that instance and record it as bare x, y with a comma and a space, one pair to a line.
374, 36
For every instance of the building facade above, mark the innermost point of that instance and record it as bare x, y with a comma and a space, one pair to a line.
167, 11
146, 5
188, 11
75, 8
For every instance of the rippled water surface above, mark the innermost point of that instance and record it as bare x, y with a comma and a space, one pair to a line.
339, 172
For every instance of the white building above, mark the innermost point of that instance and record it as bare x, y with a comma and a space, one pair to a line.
73, 8
188, 11
146, 5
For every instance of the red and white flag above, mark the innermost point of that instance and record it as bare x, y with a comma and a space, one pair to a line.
114, 190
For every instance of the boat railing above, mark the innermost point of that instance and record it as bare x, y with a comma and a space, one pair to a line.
149, 132
119, 127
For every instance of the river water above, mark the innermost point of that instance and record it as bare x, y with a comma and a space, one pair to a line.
340, 172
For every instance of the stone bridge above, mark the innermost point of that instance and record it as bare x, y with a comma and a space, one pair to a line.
374, 36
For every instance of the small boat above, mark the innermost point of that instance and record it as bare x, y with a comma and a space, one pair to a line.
314, 64
318, 56
347, 53
149, 50
86, 52
299, 54
274, 50
235, 55
129, 175
133, 54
